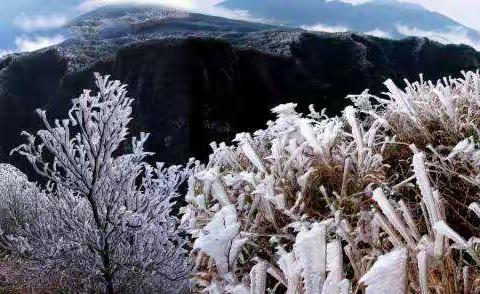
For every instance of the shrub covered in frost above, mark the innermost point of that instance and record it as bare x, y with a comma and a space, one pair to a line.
381, 198
105, 218
18, 199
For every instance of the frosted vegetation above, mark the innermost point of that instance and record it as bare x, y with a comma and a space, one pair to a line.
104, 219
382, 199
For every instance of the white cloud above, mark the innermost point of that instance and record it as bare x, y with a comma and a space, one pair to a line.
325, 28
5, 52
39, 22
379, 33
337, 29
228, 13
26, 44
455, 35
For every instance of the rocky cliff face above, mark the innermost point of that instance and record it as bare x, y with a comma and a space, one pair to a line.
191, 90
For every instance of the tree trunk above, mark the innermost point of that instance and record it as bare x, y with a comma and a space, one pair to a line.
107, 270
109, 285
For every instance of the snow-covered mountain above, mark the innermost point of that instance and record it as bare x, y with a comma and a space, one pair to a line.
27, 25
382, 18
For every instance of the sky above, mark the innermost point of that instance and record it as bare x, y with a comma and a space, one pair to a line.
24, 27
463, 11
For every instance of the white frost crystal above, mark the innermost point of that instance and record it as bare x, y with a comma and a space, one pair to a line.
388, 273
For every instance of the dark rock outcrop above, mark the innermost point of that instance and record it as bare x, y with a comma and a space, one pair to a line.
191, 91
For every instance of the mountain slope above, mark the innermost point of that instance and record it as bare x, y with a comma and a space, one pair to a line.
197, 86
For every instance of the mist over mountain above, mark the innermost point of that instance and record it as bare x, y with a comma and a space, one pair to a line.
384, 18
28, 25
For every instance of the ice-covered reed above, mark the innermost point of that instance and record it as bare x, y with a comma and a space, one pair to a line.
379, 198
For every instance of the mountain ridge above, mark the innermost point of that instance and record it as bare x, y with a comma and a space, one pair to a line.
192, 89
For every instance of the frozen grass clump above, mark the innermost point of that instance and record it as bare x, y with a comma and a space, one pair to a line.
383, 197
440, 113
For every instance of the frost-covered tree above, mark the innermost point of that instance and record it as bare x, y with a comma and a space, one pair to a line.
107, 216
